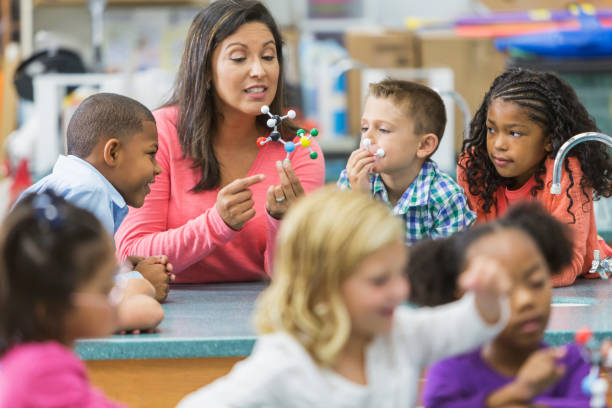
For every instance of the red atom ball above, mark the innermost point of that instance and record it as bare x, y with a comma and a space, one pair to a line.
583, 335
261, 141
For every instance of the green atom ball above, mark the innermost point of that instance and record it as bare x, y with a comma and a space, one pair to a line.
314, 155
301, 132
314, 132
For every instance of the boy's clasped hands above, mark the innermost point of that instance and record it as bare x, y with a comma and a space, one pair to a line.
157, 270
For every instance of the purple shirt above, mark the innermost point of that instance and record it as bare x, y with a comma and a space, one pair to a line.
46, 375
465, 381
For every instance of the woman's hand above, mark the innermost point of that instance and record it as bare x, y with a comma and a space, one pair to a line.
235, 202
358, 169
281, 197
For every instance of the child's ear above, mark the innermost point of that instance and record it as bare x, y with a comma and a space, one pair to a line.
112, 148
548, 144
427, 145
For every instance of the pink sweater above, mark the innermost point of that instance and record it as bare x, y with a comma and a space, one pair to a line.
584, 229
46, 375
187, 227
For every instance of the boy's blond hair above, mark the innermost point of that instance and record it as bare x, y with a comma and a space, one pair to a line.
322, 240
421, 104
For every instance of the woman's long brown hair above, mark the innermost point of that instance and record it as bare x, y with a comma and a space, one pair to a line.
198, 117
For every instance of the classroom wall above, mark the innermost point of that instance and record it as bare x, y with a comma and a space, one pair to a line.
72, 23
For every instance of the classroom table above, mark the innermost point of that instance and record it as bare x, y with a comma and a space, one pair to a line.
205, 331
208, 328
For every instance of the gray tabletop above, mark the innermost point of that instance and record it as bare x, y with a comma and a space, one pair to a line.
214, 320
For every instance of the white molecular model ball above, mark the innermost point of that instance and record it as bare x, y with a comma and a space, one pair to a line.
600, 386
367, 143
265, 109
291, 114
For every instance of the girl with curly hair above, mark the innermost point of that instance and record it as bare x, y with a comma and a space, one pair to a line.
508, 157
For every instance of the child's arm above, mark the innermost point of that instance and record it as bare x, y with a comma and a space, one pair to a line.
138, 310
581, 231
451, 213
271, 376
489, 282
435, 333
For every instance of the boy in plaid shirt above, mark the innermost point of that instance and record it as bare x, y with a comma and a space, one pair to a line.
404, 122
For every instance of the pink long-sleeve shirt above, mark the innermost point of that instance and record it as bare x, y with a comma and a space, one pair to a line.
47, 374
187, 227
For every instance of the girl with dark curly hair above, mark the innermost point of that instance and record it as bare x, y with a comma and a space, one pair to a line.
508, 157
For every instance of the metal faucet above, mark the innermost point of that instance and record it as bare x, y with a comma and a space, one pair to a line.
463, 107
603, 267
566, 147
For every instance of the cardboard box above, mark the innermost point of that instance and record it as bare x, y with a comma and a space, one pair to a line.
474, 61
377, 49
291, 39
383, 48
514, 5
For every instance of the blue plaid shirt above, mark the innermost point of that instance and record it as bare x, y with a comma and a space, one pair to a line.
433, 206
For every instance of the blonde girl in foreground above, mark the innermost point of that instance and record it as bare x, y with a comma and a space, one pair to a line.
333, 333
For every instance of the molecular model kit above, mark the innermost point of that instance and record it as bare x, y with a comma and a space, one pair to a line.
275, 135
601, 266
593, 384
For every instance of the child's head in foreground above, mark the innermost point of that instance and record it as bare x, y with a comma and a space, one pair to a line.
338, 272
406, 120
56, 268
524, 118
528, 241
118, 136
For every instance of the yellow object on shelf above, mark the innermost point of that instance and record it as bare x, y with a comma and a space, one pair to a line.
8, 118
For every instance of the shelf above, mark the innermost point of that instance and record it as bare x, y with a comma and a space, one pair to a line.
339, 145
